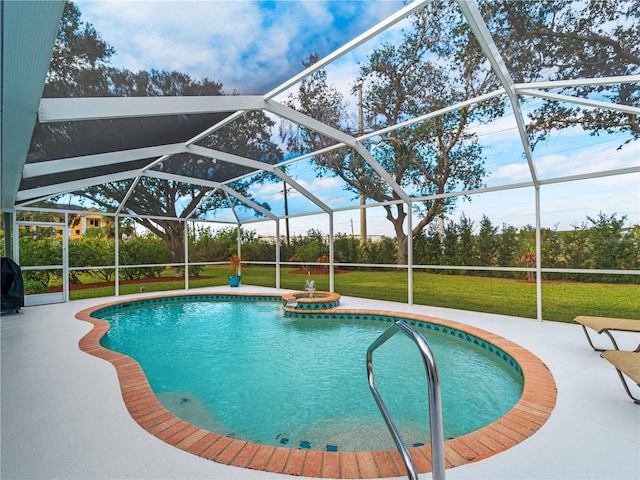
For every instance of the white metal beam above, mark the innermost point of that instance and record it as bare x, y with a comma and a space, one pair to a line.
309, 122
231, 118
246, 162
421, 118
204, 199
347, 47
181, 178
360, 148
313, 124
260, 166
235, 214
580, 101
578, 82
98, 160
75, 109
249, 202
500, 188
436, 113
130, 191
210, 184
485, 40
228, 157
67, 187
156, 162
308, 195
587, 176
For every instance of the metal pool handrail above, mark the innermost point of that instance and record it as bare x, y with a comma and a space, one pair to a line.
435, 403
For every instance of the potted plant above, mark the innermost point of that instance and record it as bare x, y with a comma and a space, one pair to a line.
234, 265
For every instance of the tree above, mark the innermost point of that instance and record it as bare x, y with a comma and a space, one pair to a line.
433, 157
576, 250
508, 246
79, 69
382, 251
126, 228
466, 249
40, 246
145, 249
173, 199
428, 247
487, 242
609, 247
311, 247
564, 40
551, 251
89, 251
345, 248
78, 54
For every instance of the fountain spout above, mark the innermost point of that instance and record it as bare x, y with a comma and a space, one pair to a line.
309, 285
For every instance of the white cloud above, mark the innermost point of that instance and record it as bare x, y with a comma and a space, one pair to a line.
585, 156
513, 173
249, 46
499, 130
318, 11
321, 183
166, 35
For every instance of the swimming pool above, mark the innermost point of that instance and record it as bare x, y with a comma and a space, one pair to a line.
357, 430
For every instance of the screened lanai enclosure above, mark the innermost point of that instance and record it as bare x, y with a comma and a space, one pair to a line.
368, 120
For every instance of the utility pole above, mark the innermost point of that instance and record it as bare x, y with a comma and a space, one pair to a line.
363, 211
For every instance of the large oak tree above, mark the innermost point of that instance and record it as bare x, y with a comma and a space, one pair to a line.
80, 68
433, 157
568, 40
439, 63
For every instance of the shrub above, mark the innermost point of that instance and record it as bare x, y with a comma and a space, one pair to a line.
147, 249
34, 286
91, 251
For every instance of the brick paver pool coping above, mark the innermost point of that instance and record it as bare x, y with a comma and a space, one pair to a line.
523, 420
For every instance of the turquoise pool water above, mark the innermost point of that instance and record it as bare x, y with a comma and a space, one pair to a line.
245, 370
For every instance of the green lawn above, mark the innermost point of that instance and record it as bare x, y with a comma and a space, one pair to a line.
562, 301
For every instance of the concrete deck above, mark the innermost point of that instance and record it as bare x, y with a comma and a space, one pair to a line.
63, 417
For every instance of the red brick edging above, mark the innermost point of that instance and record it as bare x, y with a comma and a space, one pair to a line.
523, 420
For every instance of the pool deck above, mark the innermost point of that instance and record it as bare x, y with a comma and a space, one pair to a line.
63, 416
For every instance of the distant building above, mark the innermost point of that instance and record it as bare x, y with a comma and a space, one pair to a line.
80, 222
87, 220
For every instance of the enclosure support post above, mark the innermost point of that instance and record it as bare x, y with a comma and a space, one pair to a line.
239, 248
277, 253
186, 255
538, 258
409, 255
331, 257
117, 255
65, 257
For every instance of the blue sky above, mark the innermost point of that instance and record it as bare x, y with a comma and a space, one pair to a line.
269, 39
209, 39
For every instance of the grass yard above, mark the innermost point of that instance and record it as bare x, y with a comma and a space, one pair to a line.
562, 301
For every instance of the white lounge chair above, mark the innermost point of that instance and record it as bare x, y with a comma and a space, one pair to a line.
606, 325
627, 363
